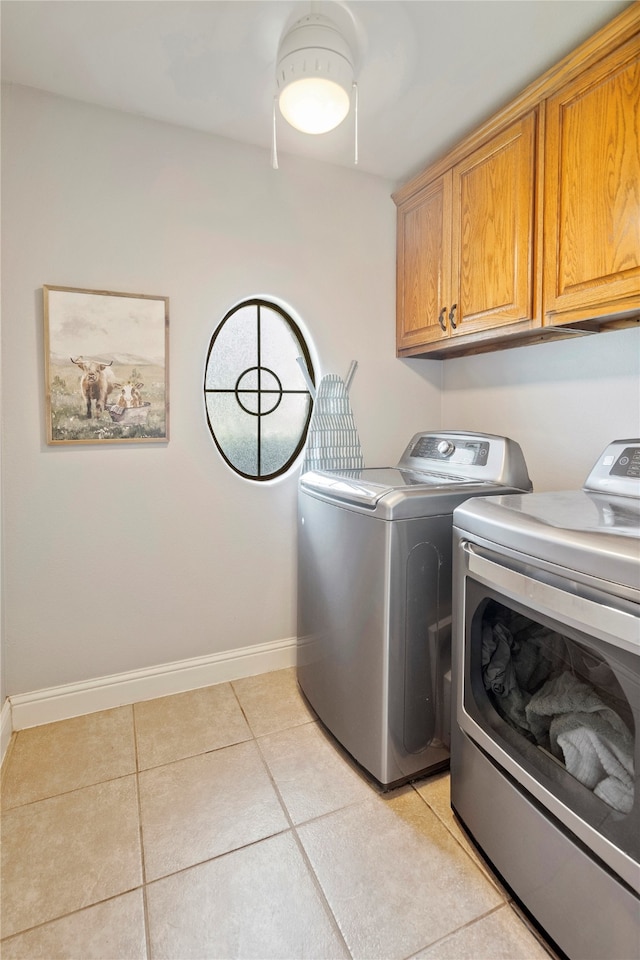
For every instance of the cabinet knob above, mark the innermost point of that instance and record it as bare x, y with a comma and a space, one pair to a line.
452, 316
443, 325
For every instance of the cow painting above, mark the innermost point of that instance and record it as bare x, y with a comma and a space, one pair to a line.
96, 383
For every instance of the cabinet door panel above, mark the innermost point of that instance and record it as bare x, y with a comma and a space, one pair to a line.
424, 238
493, 230
592, 192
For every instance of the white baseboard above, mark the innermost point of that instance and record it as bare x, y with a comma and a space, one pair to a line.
103, 693
6, 728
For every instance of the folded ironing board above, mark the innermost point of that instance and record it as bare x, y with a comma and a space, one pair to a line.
332, 441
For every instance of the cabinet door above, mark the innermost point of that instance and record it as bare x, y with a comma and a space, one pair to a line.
424, 256
592, 192
493, 231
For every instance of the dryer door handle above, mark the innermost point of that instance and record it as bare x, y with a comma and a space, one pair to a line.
617, 627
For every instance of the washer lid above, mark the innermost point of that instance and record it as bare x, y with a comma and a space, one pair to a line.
368, 486
436, 472
392, 494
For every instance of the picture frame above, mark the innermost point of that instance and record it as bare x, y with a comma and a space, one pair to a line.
106, 366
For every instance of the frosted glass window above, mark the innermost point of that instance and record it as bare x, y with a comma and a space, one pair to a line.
257, 401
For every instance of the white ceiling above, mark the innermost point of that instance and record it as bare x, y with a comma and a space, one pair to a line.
428, 70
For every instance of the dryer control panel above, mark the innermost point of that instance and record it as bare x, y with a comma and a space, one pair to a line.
617, 470
628, 463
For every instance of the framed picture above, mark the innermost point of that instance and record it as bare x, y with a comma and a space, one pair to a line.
106, 366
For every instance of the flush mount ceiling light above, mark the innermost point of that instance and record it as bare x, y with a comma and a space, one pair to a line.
314, 78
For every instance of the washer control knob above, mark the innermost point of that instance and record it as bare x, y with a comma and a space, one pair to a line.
446, 448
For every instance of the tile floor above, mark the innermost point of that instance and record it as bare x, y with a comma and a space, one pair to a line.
225, 823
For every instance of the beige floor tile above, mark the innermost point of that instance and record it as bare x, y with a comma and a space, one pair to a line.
273, 701
436, 791
499, 936
114, 929
393, 875
183, 725
58, 757
201, 807
312, 773
256, 902
67, 852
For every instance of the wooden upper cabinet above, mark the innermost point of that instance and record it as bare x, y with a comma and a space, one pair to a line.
424, 265
493, 232
465, 244
592, 192
529, 228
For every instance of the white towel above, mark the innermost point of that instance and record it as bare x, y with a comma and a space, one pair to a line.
593, 740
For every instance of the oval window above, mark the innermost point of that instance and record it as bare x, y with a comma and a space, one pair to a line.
256, 396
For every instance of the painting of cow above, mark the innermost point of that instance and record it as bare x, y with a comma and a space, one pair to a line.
96, 383
102, 349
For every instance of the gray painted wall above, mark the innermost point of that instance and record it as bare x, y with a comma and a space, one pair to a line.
563, 401
123, 557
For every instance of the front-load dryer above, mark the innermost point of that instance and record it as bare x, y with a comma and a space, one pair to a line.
545, 752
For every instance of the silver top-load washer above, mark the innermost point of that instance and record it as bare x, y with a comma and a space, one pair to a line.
374, 595
435, 472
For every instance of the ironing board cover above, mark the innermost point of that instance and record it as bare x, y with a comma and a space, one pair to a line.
332, 441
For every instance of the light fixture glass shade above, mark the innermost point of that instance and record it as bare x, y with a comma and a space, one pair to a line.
314, 104
314, 75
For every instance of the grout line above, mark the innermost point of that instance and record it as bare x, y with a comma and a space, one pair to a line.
193, 756
215, 858
145, 909
71, 913
457, 930
67, 793
303, 853
242, 710
320, 891
274, 785
475, 857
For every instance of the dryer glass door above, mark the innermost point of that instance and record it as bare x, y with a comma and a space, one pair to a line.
557, 706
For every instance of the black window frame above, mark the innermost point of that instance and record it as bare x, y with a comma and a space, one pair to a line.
259, 303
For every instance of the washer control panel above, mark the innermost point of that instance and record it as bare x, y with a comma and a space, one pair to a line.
452, 449
466, 455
